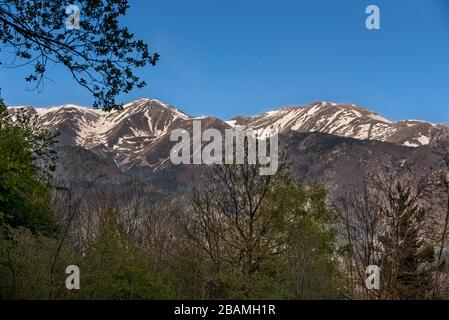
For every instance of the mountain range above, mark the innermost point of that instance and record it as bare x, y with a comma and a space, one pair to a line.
327, 142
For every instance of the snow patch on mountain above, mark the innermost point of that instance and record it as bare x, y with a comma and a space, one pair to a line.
346, 120
130, 131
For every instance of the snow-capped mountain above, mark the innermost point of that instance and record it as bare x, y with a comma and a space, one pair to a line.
137, 134
133, 144
342, 120
140, 120
145, 120
128, 136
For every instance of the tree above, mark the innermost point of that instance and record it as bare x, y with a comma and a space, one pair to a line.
24, 265
385, 223
252, 232
440, 148
311, 253
116, 268
113, 266
405, 250
100, 55
359, 225
26, 162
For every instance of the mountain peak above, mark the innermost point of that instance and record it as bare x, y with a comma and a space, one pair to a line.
146, 103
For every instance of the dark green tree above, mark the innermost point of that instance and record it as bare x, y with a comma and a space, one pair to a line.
406, 253
386, 223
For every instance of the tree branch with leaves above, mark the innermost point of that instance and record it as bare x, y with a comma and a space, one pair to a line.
100, 55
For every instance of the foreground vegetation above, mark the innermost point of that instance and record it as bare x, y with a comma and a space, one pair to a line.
240, 236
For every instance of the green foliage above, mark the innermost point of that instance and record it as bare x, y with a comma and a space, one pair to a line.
263, 237
187, 272
112, 267
311, 255
25, 260
26, 155
115, 268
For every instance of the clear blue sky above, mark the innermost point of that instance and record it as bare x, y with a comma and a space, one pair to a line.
229, 57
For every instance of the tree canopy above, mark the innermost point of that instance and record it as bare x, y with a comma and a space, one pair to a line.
100, 54
26, 163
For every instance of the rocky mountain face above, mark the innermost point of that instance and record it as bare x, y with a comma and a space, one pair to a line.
343, 120
329, 143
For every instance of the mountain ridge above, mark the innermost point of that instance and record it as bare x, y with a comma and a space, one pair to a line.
324, 141
347, 120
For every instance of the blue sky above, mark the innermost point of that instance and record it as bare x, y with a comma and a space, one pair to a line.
230, 57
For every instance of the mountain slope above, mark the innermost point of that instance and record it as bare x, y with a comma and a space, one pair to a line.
142, 122
342, 120
331, 143
134, 137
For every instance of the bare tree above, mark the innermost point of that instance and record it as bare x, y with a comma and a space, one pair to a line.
386, 223
231, 221
360, 225
441, 196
